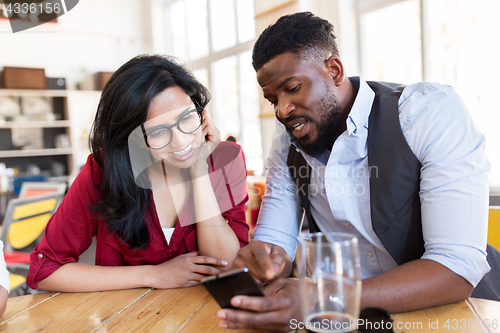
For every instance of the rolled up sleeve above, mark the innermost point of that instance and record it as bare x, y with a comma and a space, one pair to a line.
454, 179
70, 230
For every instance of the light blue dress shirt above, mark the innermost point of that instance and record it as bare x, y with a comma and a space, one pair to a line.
453, 183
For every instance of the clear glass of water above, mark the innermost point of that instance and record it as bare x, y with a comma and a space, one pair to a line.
329, 281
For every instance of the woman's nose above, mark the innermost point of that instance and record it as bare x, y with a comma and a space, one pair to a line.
179, 139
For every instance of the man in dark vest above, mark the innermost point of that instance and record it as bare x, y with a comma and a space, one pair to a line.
402, 168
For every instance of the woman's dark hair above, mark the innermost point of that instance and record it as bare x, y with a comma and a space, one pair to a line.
123, 107
294, 33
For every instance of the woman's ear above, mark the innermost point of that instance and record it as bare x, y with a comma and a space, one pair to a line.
335, 69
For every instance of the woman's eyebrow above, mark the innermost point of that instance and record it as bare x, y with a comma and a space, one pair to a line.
179, 116
149, 129
183, 113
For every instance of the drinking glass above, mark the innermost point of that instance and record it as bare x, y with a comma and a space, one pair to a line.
329, 281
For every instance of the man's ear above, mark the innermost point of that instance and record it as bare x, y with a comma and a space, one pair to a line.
335, 69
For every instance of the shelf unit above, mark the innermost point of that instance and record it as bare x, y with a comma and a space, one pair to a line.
36, 124
35, 152
75, 110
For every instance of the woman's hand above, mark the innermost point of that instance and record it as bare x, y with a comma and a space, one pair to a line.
213, 138
210, 132
184, 271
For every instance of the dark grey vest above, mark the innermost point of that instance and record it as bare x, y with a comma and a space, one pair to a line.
394, 178
394, 186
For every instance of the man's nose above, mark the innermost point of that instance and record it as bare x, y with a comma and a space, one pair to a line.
283, 109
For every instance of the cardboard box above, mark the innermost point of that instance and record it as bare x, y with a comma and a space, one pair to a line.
23, 78
95, 82
101, 78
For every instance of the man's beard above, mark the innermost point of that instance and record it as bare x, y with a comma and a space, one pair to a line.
328, 112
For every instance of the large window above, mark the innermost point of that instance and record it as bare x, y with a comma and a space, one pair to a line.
215, 37
452, 42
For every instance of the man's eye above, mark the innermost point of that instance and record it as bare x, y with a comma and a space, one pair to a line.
294, 88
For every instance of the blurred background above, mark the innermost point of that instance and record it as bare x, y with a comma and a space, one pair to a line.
53, 74
453, 42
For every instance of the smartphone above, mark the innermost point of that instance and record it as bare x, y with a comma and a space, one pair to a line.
224, 286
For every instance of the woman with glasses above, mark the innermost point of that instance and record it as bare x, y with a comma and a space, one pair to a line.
162, 195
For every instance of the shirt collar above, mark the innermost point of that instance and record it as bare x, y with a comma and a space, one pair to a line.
360, 111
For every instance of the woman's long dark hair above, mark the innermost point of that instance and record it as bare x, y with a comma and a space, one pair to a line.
123, 107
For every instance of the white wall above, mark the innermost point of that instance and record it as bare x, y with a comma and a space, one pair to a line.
94, 36
82, 106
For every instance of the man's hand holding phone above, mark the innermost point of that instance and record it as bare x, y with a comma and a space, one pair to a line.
223, 287
266, 262
274, 311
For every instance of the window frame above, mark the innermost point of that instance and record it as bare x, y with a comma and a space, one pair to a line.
362, 7
365, 6
206, 62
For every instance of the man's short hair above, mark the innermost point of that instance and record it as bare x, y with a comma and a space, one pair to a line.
297, 33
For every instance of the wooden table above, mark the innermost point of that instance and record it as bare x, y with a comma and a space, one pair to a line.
472, 315
134, 310
193, 310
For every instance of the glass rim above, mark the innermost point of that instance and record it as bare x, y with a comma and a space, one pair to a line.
344, 235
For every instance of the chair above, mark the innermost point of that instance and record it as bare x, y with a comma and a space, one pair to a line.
29, 189
494, 227
23, 226
18, 284
17, 181
256, 190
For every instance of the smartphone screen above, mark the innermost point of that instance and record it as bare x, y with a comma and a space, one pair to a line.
225, 286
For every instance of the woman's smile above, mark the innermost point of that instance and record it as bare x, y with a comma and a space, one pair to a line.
183, 154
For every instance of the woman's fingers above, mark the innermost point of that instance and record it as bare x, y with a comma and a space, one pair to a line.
209, 128
191, 283
196, 277
206, 260
206, 270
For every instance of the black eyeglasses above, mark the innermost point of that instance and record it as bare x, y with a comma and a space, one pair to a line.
375, 320
160, 136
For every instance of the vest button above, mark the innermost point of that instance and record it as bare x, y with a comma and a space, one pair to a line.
347, 224
40, 256
369, 254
